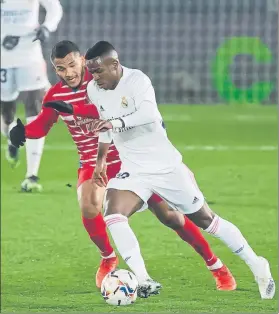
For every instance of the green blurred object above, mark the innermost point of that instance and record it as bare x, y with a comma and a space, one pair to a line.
221, 70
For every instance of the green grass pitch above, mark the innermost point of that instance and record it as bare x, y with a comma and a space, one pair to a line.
48, 262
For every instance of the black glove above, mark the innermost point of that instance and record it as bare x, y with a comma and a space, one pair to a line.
42, 34
17, 134
60, 106
10, 42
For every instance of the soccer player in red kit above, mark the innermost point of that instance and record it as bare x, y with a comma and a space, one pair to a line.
69, 95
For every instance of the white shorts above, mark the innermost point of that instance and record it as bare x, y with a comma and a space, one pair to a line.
178, 188
16, 80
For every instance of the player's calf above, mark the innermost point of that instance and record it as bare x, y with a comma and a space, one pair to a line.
119, 205
90, 199
191, 234
233, 238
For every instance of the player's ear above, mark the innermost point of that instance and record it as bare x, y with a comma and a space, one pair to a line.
82, 61
115, 64
54, 68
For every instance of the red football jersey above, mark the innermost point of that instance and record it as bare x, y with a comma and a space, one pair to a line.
79, 127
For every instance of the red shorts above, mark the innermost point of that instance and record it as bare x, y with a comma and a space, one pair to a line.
86, 173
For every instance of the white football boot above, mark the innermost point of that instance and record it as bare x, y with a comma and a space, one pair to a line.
264, 279
31, 185
148, 287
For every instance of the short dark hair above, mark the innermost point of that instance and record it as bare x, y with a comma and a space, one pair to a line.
62, 48
98, 50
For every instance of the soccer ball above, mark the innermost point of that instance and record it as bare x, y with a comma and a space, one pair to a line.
119, 287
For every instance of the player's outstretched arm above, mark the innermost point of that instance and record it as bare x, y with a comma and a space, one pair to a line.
36, 129
42, 124
89, 110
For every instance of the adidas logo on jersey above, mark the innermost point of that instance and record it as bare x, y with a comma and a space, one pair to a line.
195, 200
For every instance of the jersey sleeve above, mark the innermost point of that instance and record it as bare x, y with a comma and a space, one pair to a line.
104, 137
42, 124
145, 103
54, 13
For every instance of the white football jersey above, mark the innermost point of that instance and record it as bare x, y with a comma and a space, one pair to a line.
143, 144
21, 18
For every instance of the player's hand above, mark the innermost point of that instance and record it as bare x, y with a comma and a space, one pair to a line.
17, 134
10, 42
60, 106
101, 126
42, 34
100, 174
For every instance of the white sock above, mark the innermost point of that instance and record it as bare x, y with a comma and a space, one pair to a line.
232, 237
127, 244
217, 265
34, 150
6, 128
109, 256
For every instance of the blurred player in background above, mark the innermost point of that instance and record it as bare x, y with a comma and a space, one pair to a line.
70, 93
151, 164
23, 69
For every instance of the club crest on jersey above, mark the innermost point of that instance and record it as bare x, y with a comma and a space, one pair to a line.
124, 102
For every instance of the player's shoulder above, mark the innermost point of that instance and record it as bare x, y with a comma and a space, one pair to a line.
54, 89
92, 90
91, 85
136, 77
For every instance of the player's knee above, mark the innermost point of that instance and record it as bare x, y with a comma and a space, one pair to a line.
173, 220
33, 102
121, 202
89, 209
116, 209
203, 217
8, 110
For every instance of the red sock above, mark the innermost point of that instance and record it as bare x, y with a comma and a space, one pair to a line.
191, 234
97, 230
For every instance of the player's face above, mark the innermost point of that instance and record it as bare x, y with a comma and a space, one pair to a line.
70, 69
105, 74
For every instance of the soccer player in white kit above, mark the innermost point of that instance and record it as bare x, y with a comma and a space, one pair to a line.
126, 102
23, 69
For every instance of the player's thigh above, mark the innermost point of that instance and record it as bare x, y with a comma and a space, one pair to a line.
133, 193
9, 89
90, 195
122, 202
32, 77
179, 188
165, 214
